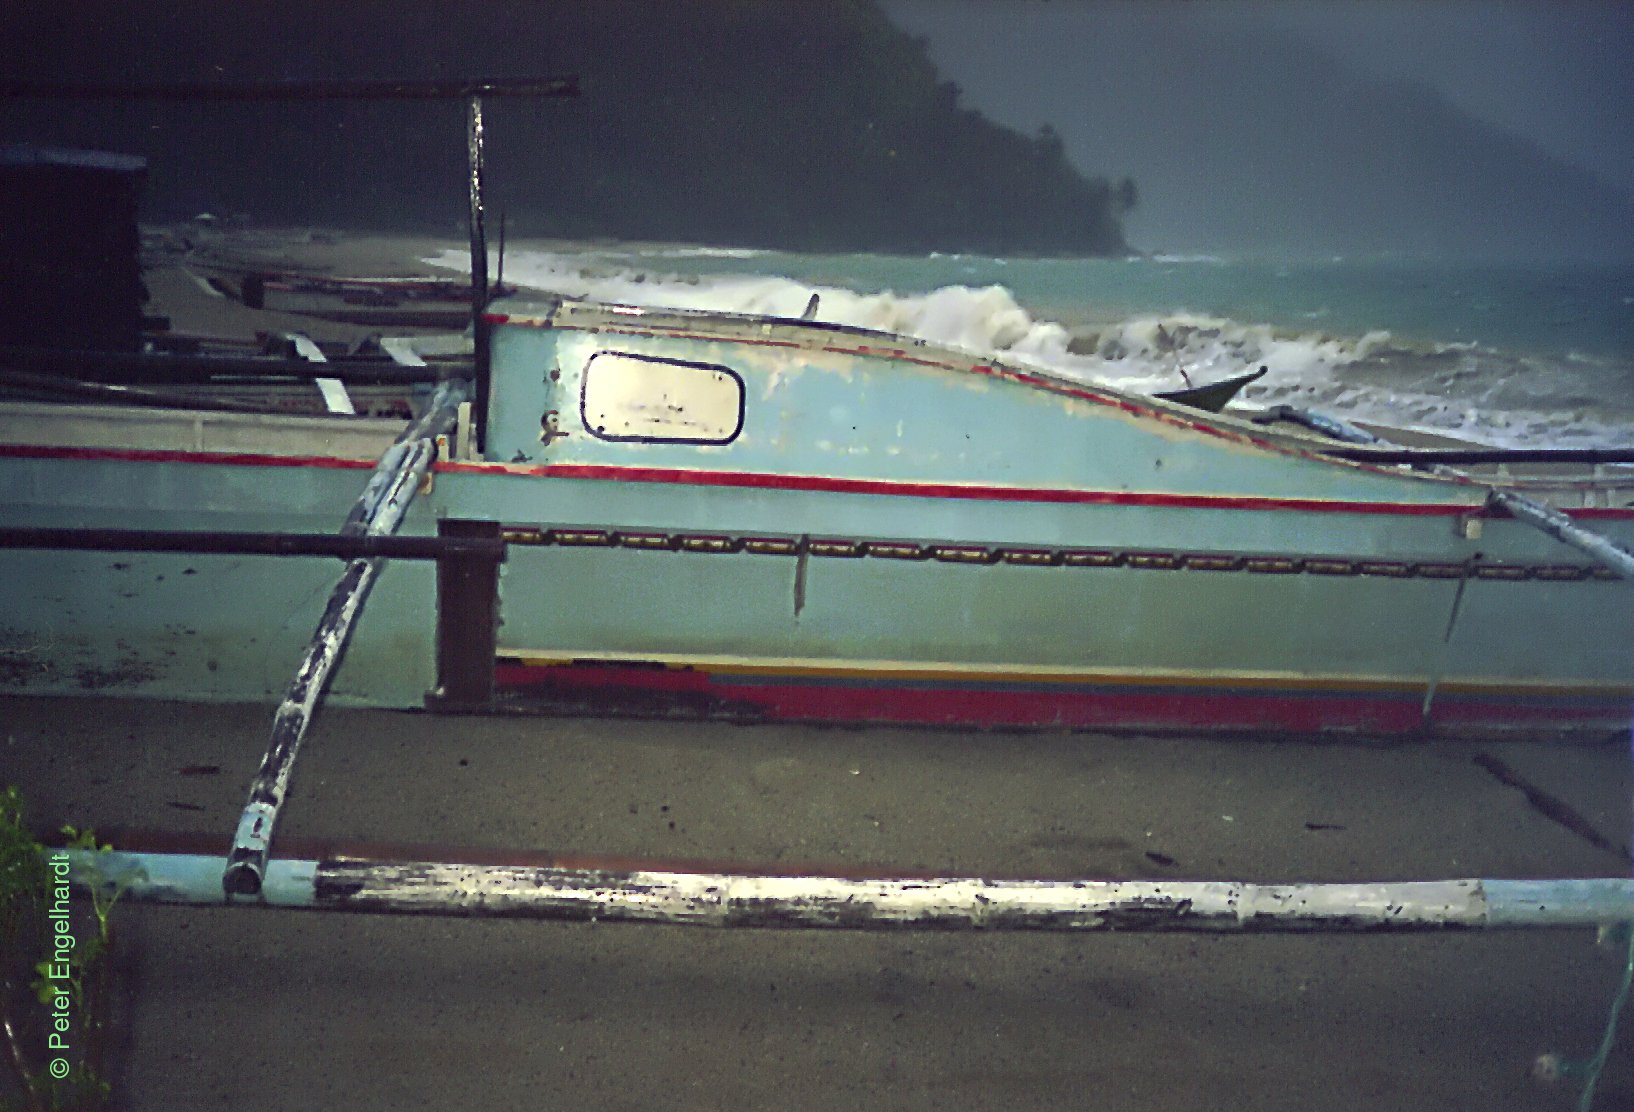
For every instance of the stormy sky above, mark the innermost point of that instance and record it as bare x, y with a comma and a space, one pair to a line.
1432, 128
1347, 118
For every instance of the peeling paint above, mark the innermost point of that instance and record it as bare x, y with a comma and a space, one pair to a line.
954, 903
378, 511
477, 885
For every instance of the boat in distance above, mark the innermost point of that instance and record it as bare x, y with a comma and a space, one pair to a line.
765, 518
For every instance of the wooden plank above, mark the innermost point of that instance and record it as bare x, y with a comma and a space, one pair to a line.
467, 621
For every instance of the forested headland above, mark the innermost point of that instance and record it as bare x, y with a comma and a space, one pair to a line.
815, 126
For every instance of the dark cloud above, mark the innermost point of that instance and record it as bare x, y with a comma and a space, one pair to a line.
1558, 74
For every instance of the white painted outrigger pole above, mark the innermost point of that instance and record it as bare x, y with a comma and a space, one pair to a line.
378, 512
1565, 530
712, 899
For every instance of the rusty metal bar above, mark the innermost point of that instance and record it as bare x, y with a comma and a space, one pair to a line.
293, 90
448, 546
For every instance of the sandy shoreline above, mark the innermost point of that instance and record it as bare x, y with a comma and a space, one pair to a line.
357, 254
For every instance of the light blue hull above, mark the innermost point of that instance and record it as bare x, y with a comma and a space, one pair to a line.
765, 518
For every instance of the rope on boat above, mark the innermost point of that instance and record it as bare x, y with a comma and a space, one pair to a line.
1317, 422
378, 512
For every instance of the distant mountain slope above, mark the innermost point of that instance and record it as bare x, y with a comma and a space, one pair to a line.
816, 125
1248, 139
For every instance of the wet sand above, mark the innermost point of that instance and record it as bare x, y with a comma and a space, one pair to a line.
180, 261
233, 1008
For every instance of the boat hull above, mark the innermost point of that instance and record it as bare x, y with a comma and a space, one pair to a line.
746, 621
876, 533
749, 624
195, 625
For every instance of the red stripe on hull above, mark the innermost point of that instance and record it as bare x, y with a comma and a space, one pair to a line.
972, 492
167, 455
772, 481
1049, 705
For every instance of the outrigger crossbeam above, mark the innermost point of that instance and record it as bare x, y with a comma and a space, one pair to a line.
378, 512
485, 884
339, 546
456, 89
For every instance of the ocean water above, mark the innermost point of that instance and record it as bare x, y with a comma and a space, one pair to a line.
1501, 354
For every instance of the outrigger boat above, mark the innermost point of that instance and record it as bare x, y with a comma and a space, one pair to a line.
753, 517
778, 518
797, 520
658, 511
1212, 397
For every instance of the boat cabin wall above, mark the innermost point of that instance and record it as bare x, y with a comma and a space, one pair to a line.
728, 402
781, 398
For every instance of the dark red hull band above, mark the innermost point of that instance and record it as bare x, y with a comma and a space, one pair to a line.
1053, 704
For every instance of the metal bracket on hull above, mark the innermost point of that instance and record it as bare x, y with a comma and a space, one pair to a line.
467, 622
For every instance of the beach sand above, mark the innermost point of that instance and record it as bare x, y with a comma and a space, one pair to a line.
181, 260
229, 1008
242, 1007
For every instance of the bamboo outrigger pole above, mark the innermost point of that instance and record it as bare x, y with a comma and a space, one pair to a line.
1565, 530
1551, 521
738, 899
377, 512
386, 499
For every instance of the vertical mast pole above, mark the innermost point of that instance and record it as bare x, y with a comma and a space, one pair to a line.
499, 276
474, 139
